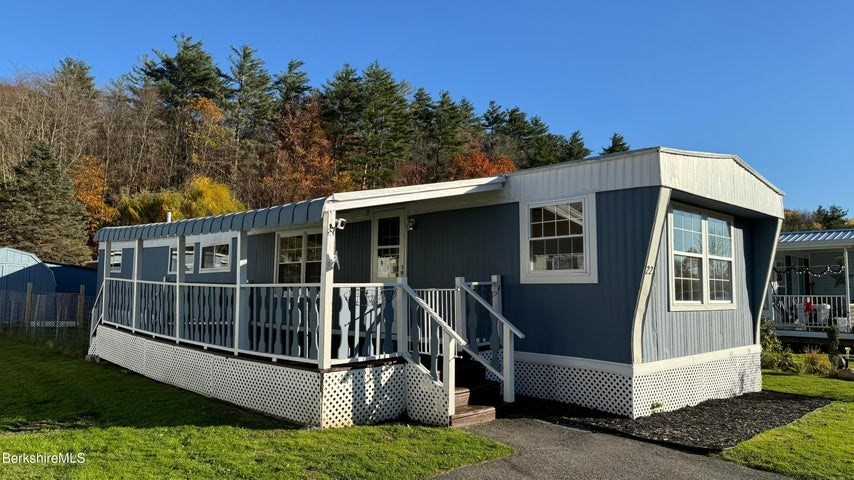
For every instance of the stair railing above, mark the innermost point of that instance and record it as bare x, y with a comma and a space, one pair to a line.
502, 335
408, 337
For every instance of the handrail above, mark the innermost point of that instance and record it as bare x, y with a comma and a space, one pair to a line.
92, 316
421, 303
491, 310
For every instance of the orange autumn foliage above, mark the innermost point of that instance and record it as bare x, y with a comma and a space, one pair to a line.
90, 186
476, 164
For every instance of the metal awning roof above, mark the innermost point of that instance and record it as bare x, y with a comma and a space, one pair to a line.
817, 238
308, 211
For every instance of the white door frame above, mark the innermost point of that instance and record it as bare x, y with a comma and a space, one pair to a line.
400, 213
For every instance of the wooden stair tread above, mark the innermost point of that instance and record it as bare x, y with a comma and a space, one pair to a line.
473, 415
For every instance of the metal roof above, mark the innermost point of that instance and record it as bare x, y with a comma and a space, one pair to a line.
299, 213
844, 235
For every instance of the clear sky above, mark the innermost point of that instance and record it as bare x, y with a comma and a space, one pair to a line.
770, 81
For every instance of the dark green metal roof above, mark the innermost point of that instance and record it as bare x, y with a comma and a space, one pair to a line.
299, 213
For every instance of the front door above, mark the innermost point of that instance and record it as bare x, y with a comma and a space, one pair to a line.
388, 258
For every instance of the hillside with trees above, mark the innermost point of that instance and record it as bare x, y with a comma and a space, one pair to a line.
181, 132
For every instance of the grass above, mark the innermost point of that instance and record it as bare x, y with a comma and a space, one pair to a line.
814, 447
132, 427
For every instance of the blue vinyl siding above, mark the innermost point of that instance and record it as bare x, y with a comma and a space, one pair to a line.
262, 258
577, 320
354, 253
155, 263
669, 334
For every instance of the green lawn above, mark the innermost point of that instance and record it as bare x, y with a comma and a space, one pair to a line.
131, 427
814, 447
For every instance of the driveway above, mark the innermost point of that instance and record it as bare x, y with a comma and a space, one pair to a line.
549, 451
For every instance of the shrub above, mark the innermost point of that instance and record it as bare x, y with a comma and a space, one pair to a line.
774, 355
833, 345
815, 363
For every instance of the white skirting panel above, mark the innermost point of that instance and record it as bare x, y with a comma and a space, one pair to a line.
682, 386
632, 391
309, 397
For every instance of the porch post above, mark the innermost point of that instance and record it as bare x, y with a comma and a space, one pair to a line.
108, 254
179, 279
847, 274
449, 371
401, 313
327, 264
241, 297
509, 357
459, 308
137, 271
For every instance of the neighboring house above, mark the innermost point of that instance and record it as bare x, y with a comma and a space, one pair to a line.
628, 283
19, 269
75, 278
811, 286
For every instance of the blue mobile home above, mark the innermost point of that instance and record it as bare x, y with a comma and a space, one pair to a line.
620, 283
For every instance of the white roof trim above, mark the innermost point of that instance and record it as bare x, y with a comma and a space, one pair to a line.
736, 158
385, 196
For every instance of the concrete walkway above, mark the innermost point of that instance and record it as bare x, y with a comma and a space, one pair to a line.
549, 451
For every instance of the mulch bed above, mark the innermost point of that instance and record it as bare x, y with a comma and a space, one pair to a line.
710, 426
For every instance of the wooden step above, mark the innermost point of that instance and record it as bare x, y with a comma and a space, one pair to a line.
483, 393
472, 415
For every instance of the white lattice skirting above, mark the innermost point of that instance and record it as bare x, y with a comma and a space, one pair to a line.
633, 391
310, 397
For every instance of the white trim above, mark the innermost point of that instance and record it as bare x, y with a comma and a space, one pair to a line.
770, 268
648, 273
706, 304
630, 370
387, 196
590, 272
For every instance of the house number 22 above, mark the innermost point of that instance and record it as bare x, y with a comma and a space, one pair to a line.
648, 270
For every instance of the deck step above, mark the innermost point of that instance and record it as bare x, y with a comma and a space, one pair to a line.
472, 415
483, 393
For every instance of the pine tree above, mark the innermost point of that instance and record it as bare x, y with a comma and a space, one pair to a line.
39, 212
449, 135
575, 149
831, 217
342, 100
250, 95
384, 128
618, 144
293, 85
190, 73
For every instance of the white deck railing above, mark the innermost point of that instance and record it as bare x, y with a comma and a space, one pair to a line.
810, 312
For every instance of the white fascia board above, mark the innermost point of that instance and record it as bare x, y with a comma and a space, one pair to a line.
817, 245
387, 196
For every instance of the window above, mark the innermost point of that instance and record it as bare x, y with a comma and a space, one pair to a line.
300, 258
558, 242
701, 259
216, 257
189, 259
388, 248
116, 261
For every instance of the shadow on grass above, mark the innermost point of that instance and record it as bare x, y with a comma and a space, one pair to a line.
41, 390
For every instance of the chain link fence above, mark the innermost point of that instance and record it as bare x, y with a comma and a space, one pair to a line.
58, 320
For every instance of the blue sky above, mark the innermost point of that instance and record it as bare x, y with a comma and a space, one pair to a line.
770, 81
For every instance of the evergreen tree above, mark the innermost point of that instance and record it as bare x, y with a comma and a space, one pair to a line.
251, 95
575, 149
450, 124
190, 73
422, 111
471, 129
342, 100
293, 85
39, 212
384, 127
493, 121
618, 144
831, 217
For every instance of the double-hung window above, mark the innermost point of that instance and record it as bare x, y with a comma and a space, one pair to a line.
558, 241
701, 259
300, 257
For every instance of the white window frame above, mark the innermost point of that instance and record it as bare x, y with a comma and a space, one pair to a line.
295, 233
213, 243
174, 250
115, 268
589, 274
403, 214
707, 303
